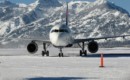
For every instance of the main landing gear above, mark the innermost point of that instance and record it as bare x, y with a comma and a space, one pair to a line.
83, 52
45, 52
61, 53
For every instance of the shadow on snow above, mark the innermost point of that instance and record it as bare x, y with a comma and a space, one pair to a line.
109, 55
60, 78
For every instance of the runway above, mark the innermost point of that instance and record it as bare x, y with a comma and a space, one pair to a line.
23, 66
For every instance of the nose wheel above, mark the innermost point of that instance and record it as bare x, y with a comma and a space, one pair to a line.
61, 53
45, 52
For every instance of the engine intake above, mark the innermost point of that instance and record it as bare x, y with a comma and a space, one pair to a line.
32, 47
93, 47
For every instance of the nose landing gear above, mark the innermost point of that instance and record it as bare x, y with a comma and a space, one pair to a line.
61, 53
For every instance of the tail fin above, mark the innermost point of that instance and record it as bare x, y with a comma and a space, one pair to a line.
67, 14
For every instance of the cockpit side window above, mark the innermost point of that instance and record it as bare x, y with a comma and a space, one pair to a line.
63, 30
54, 30
60, 30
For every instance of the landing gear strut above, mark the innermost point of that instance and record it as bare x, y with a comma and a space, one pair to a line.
45, 52
61, 53
83, 52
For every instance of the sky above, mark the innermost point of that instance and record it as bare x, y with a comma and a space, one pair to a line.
122, 3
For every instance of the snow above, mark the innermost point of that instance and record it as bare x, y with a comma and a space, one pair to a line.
99, 2
22, 5
23, 66
47, 3
116, 14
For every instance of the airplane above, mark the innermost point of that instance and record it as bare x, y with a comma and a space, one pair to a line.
62, 37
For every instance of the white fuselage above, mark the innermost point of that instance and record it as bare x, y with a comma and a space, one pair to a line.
61, 36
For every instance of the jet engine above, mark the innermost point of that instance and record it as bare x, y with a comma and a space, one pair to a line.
93, 47
32, 47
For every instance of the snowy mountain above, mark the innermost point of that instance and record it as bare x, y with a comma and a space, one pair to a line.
90, 19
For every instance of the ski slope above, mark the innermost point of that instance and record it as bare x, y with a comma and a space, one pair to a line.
17, 64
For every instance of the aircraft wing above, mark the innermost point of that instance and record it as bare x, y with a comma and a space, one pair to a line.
43, 41
90, 39
28, 39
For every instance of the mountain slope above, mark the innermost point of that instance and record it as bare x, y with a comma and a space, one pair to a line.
94, 19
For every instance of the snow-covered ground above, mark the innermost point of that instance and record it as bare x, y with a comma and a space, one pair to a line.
17, 64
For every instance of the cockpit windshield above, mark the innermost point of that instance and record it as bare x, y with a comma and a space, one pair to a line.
60, 30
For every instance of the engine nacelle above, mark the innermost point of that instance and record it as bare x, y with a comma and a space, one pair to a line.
93, 47
32, 47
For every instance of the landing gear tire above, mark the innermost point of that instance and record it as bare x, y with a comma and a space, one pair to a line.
45, 53
85, 53
81, 53
61, 55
